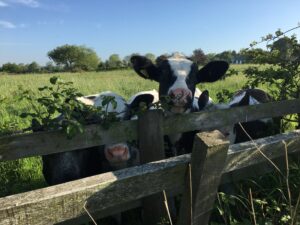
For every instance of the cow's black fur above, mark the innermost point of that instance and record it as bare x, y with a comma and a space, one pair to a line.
254, 129
164, 74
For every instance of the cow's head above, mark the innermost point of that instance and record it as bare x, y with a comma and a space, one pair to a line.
177, 77
118, 155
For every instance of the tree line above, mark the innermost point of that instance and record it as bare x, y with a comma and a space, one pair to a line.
74, 58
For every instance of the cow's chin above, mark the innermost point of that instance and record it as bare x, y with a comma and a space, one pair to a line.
178, 109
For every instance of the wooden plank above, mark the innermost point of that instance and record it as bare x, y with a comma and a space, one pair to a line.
65, 201
151, 145
118, 208
208, 159
26, 145
246, 154
103, 192
103, 213
43, 143
206, 121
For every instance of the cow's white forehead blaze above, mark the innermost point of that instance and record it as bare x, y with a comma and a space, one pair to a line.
181, 68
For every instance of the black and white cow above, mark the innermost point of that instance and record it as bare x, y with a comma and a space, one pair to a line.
122, 155
72, 165
177, 77
255, 129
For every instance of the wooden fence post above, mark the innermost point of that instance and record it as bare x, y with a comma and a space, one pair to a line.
208, 160
151, 145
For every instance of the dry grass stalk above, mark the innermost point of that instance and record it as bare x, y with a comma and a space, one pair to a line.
167, 207
252, 206
294, 217
287, 177
191, 192
260, 151
84, 207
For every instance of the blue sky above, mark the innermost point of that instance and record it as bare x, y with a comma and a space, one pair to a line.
30, 28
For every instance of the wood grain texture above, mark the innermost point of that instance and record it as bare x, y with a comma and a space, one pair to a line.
26, 145
151, 145
65, 201
207, 162
110, 191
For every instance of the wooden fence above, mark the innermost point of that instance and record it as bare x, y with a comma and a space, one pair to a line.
211, 163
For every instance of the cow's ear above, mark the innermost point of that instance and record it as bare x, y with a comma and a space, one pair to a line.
203, 99
145, 99
144, 67
212, 71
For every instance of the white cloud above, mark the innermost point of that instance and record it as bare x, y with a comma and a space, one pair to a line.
3, 4
7, 24
28, 3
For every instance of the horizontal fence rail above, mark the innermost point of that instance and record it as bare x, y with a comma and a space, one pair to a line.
43, 143
63, 202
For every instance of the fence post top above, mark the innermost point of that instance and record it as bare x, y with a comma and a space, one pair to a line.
213, 138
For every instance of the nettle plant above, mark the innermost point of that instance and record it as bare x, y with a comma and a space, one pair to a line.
57, 107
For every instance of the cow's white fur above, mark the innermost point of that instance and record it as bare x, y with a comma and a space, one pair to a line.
121, 103
152, 92
181, 68
86, 100
237, 98
196, 98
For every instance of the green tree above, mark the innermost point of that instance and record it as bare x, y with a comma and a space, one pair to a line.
75, 58
14, 68
126, 61
114, 62
210, 57
227, 56
198, 57
33, 68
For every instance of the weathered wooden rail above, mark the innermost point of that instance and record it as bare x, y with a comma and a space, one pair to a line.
21, 146
114, 192
61, 202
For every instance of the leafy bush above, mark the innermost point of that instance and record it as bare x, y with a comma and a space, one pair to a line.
279, 70
57, 107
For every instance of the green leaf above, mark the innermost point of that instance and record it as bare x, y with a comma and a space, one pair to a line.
53, 80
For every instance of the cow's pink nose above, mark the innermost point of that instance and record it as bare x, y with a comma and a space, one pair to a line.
180, 97
180, 93
117, 153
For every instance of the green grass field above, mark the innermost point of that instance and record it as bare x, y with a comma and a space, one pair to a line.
26, 174
23, 175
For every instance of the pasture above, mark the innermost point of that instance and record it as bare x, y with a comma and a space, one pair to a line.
22, 175
25, 174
